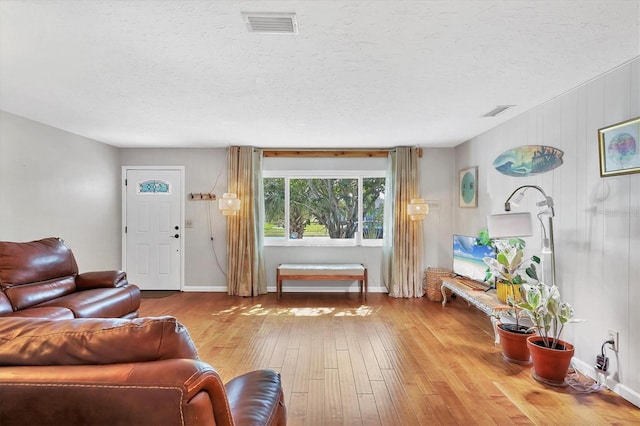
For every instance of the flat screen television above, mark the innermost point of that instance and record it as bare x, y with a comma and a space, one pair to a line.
467, 257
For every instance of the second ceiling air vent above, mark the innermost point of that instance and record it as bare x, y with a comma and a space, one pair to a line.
271, 23
497, 110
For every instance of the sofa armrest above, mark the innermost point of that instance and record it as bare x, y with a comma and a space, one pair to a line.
256, 398
101, 279
175, 391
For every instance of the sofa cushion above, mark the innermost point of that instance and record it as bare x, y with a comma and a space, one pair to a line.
100, 302
6, 309
53, 312
24, 296
86, 341
35, 261
5, 305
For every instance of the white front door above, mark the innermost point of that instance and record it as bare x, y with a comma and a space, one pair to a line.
152, 248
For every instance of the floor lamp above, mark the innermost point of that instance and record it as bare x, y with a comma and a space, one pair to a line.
515, 224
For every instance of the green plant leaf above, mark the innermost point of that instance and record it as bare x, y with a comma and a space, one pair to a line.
483, 238
565, 313
516, 260
532, 272
533, 297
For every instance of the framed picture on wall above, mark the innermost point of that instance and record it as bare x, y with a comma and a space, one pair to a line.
468, 187
619, 148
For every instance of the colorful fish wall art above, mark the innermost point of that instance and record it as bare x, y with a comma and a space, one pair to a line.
528, 160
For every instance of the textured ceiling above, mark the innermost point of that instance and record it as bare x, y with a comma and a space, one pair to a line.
358, 74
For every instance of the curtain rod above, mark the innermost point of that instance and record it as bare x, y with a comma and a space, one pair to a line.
349, 153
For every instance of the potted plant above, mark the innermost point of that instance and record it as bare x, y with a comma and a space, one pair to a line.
549, 314
507, 269
513, 335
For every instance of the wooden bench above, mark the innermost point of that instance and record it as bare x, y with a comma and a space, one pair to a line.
322, 271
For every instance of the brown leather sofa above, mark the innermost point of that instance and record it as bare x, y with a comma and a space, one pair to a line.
41, 279
142, 371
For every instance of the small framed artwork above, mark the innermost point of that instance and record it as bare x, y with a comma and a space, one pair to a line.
469, 187
619, 150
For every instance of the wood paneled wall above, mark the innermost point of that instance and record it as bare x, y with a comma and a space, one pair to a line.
597, 223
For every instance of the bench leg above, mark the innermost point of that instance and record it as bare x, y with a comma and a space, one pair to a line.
365, 284
278, 284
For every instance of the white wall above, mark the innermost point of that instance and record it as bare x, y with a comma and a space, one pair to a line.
597, 224
438, 178
202, 168
54, 183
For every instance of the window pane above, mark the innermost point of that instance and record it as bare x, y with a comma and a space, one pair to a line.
299, 210
274, 207
308, 210
323, 208
373, 207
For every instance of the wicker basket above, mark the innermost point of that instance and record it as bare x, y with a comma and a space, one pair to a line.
433, 282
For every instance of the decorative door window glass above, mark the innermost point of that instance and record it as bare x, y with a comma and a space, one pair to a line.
154, 186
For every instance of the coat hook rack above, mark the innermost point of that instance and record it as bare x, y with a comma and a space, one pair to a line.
202, 196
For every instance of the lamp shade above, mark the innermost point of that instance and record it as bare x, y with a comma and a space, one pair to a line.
509, 225
418, 209
229, 204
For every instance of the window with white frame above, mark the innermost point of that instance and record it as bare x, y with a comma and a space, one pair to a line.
335, 208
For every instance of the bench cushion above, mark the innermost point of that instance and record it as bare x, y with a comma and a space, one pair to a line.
321, 269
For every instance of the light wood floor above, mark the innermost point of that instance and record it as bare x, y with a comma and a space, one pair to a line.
389, 361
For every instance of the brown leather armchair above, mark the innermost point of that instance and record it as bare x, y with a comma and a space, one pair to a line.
41, 279
141, 371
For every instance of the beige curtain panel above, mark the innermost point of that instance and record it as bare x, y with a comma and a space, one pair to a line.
245, 247
403, 248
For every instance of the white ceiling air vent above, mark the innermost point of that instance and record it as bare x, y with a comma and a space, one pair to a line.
497, 110
271, 23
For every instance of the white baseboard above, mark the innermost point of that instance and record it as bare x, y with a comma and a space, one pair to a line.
624, 391
205, 289
296, 289
321, 289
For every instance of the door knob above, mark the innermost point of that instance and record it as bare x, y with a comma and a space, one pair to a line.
176, 236
177, 227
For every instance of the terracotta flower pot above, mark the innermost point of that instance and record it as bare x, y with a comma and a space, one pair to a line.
550, 366
514, 346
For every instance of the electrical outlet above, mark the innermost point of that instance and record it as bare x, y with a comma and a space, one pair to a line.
614, 335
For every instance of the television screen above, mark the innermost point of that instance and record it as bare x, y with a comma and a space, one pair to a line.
467, 257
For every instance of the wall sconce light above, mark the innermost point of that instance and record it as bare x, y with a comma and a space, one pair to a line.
229, 204
418, 209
